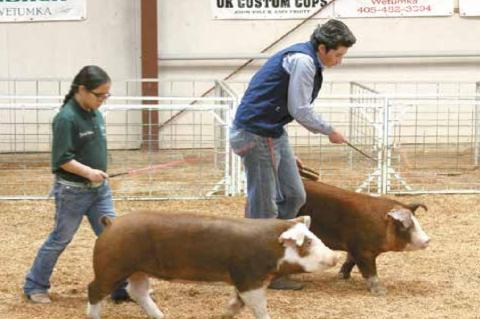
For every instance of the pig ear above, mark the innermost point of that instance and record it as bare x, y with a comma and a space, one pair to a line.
307, 220
402, 215
295, 234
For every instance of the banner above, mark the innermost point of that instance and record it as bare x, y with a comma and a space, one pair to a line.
392, 8
44, 10
469, 7
269, 9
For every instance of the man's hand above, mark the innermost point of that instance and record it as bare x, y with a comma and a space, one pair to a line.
77, 168
336, 137
96, 175
299, 162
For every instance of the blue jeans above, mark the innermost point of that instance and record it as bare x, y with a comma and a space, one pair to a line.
274, 185
71, 204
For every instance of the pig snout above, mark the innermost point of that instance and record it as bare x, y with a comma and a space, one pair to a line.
426, 242
326, 257
332, 259
329, 259
418, 238
422, 242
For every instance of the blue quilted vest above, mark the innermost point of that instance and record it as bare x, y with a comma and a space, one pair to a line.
263, 109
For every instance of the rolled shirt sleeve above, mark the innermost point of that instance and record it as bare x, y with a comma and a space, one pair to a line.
301, 68
62, 145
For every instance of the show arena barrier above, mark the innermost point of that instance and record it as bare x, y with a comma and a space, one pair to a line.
188, 158
423, 138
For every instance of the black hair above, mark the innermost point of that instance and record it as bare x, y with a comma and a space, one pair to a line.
91, 77
332, 34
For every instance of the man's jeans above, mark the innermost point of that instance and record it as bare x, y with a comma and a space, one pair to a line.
274, 185
71, 204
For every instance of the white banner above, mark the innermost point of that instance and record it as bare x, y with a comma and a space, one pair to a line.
44, 10
269, 9
393, 8
469, 7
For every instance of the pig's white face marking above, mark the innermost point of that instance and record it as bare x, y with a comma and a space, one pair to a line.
315, 257
419, 239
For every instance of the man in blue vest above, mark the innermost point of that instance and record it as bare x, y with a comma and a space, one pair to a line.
281, 91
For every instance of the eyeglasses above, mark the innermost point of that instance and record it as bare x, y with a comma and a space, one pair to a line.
101, 96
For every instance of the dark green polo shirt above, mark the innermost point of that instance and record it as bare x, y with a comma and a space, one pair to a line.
78, 134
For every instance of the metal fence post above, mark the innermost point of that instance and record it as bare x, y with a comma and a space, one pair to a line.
384, 173
477, 125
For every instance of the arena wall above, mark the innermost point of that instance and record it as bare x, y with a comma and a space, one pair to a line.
203, 35
109, 37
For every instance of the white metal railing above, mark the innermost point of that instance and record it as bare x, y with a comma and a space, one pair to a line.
396, 129
422, 143
189, 141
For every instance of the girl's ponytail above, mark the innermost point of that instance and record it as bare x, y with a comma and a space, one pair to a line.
90, 76
70, 94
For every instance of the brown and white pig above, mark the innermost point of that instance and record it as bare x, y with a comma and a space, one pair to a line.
363, 225
244, 252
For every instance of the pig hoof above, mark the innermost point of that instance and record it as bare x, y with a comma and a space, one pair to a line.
378, 290
229, 314
344, 275
376, 287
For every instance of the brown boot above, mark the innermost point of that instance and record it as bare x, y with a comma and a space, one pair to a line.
285, 283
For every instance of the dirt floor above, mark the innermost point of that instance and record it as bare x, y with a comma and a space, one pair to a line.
442, 281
